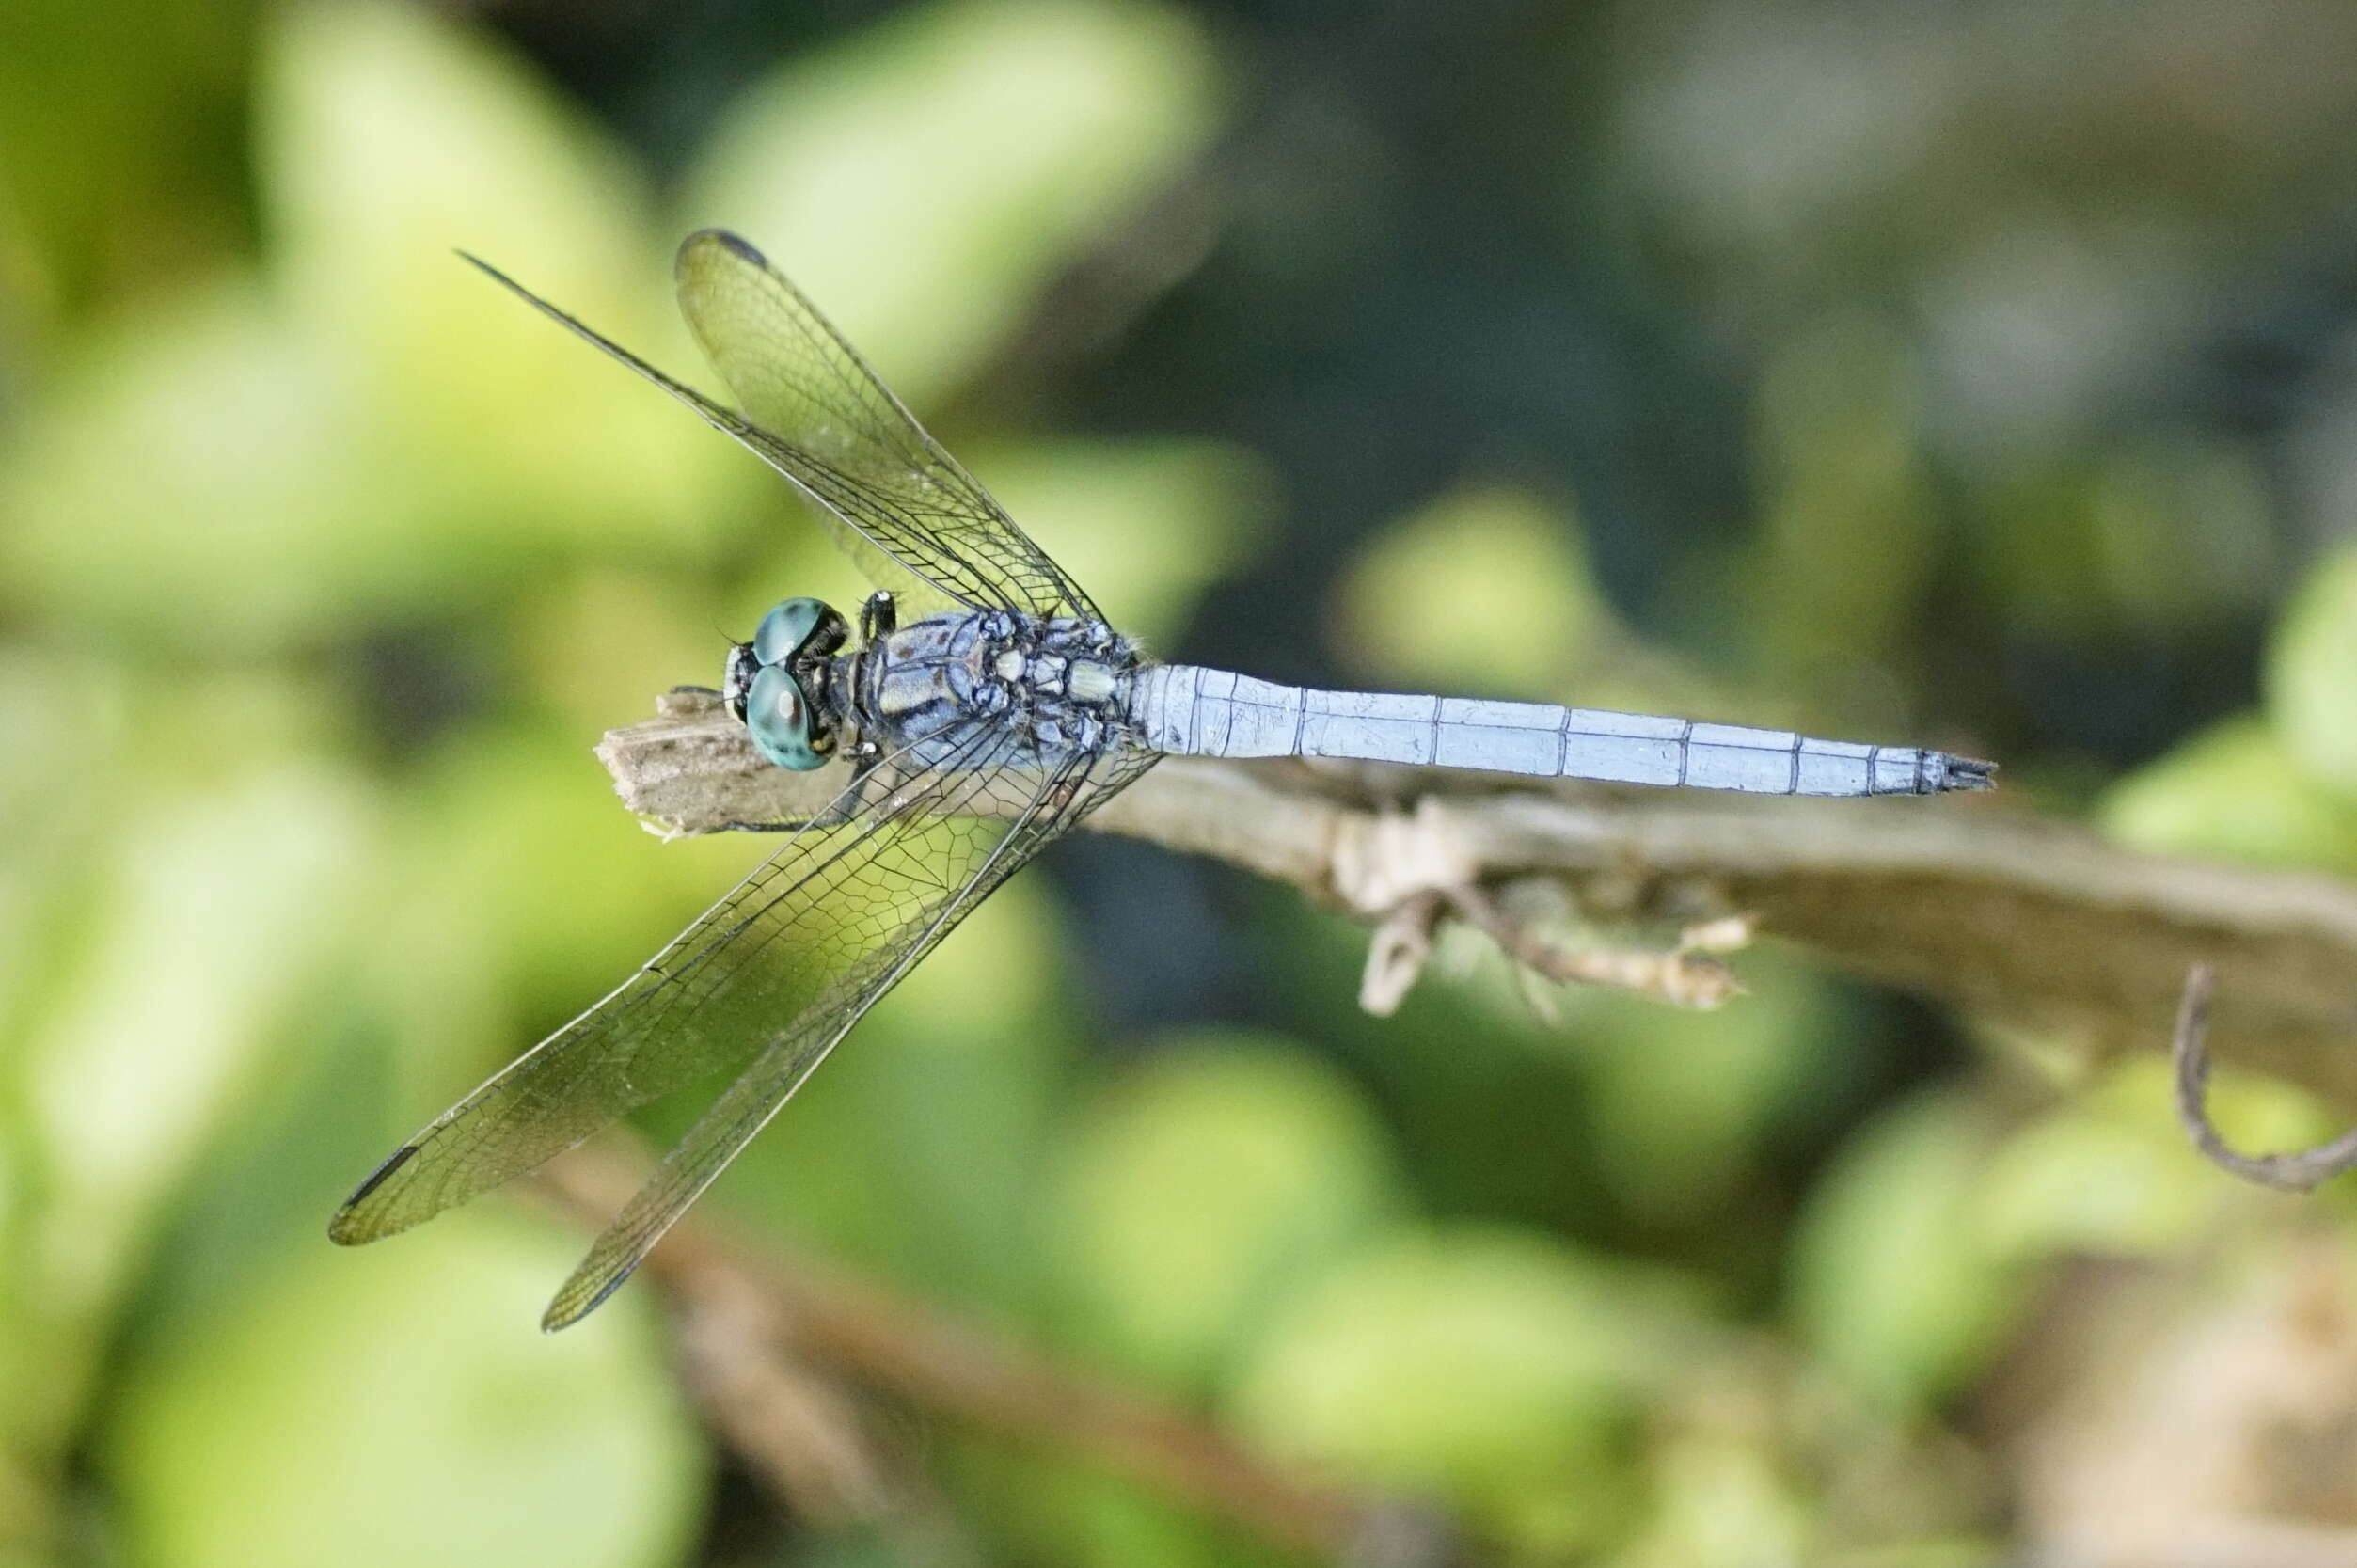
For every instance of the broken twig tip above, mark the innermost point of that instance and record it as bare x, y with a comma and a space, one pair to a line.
1396, 954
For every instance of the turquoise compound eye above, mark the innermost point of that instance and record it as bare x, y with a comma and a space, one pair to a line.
785, 628
779, 720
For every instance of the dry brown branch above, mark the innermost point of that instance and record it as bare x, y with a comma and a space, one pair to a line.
756, 1327
2029, 925
791, 1425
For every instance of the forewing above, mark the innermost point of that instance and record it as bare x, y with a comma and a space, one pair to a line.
917, 595
837, 430
1039, 810
797, 940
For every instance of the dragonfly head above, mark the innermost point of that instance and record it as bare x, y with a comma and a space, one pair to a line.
776, 684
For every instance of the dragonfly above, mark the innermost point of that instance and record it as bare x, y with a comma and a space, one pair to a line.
987, 707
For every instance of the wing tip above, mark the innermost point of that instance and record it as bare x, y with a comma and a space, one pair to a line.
728, 240
346, 1229
570, 1307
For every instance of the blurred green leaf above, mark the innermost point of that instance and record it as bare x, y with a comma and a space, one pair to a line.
600, 647
1485, 590
1894, 1284
2075, 1184
172, 489
1493, 1369
219, 912
62, 782
259, 1198
388, 428
2108, 1172
214, 916
923, 180
1144, 525
1206, 1190
391, 136
2311, 700
1679, 1147
1720, 1501
2236, 791
396, 1406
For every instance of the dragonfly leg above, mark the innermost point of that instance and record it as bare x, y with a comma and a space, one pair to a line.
878, 617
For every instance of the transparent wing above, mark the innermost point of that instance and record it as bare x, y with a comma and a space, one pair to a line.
840, 432
774, 973
918, 597
1053, 805
801, 935
913, 520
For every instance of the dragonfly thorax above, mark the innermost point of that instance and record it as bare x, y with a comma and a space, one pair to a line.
973, 688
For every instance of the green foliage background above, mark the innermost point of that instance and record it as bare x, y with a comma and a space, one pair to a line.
1977, 378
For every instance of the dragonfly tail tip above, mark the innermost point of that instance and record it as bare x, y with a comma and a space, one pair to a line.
1969, 773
